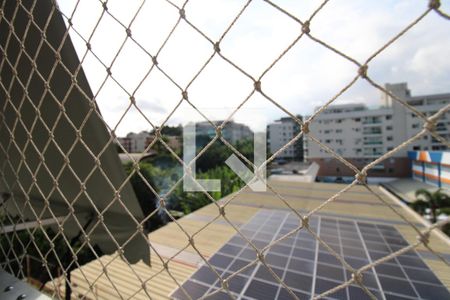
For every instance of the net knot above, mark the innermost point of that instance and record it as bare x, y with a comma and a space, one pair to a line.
185, 95
362, 71
257, 86
429, 125
260, 256
70, 21
217, 47
108, 70
424, 238
105, 6
219, 131
132, 100
222, 210
357, 277
182, 13
98, 163
305, 222
88, 46
361, 177
305, 127
155, 60
305, 28
87, 238
191, 241
128, 31
224, 284
162, 202
78, 132
434, 4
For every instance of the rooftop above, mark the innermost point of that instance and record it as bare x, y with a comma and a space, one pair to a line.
211, 232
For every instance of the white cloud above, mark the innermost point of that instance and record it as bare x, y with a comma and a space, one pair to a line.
307, 76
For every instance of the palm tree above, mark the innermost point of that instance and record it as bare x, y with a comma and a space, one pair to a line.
437, 201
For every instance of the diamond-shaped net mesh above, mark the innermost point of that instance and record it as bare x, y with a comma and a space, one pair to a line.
32, 52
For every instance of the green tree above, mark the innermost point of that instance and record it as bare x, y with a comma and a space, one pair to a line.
438, 202
141, 183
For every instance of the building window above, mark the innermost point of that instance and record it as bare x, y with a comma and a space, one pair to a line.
338, 130
415, 125
357, 119
388, 127
388, 117
389, 138
416, 148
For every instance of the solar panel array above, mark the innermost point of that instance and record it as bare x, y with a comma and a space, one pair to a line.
308, 268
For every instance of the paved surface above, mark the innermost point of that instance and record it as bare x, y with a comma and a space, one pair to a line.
406, 188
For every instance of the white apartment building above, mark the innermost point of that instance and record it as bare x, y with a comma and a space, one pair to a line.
361, 134
232, 131
280, 133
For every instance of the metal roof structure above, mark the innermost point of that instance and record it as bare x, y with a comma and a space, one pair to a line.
356, 206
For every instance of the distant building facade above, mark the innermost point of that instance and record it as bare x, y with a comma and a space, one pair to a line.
361, 135
432, 167
138, 142
279, 133
232, 131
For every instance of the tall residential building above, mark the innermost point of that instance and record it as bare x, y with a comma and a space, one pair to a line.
280, 133
361, 135
232, 131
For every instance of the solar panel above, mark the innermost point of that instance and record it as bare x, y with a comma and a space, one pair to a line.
308, 268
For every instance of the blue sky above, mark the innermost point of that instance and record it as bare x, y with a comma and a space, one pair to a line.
307, 76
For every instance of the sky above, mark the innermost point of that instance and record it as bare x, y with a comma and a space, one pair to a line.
306, 77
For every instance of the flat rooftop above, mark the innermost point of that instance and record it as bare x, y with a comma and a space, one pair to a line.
215, 238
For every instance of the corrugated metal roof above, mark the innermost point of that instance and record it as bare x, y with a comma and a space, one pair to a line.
211, 231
